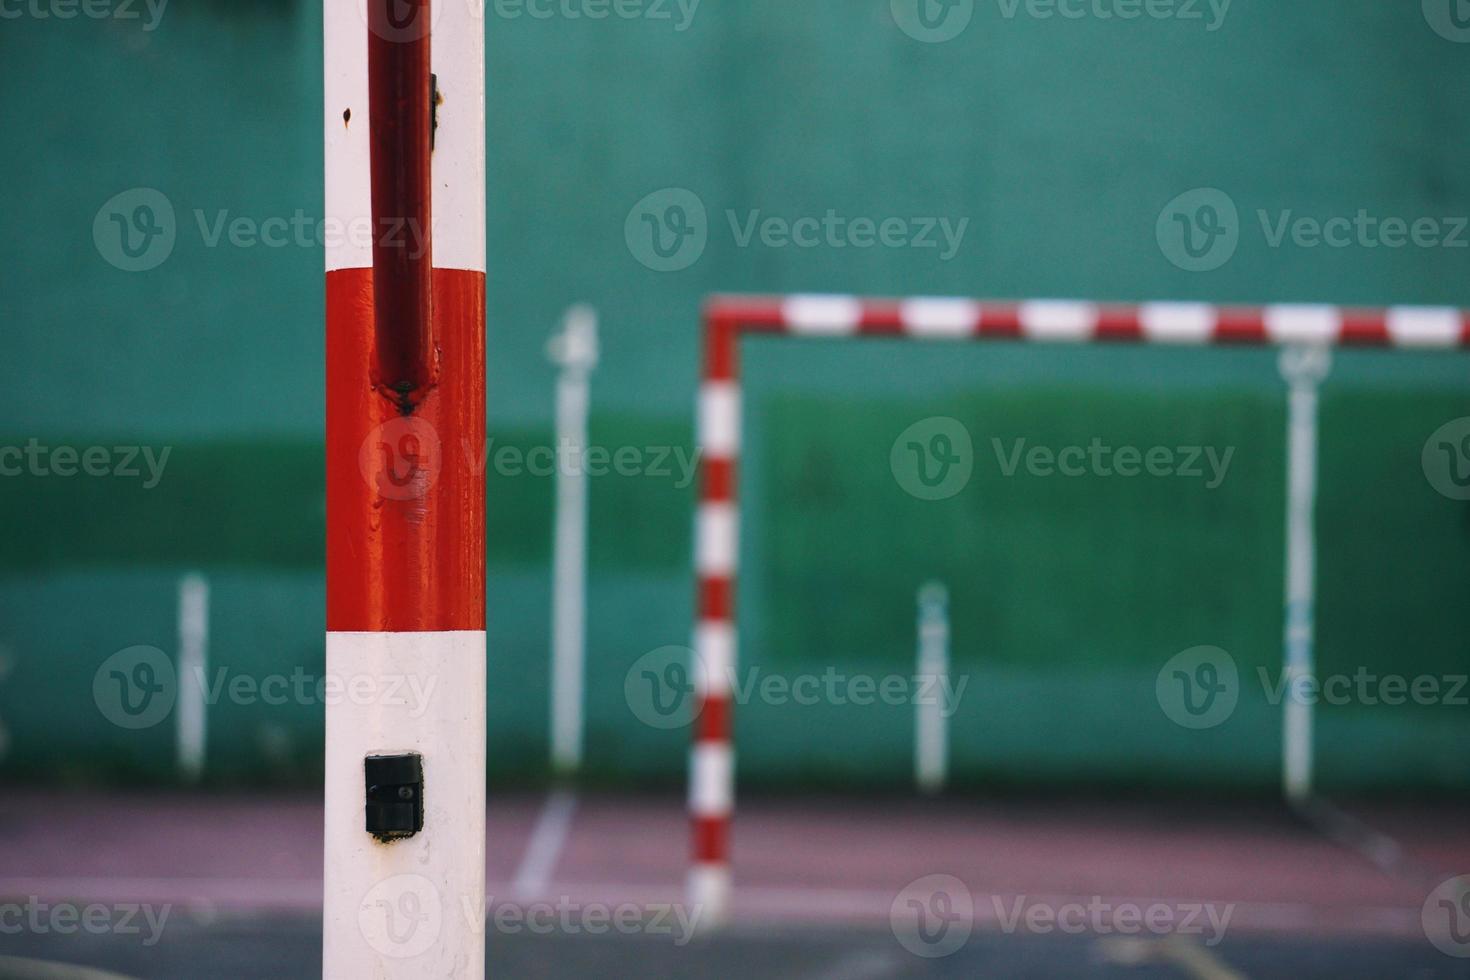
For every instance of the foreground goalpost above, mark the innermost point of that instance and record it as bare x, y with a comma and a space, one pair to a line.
405, 349
1306, 331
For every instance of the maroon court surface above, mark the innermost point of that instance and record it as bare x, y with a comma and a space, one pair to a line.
248, 869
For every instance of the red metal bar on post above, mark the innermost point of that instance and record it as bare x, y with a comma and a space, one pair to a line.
401, 111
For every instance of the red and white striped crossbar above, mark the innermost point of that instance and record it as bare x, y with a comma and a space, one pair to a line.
405, 351
712, 768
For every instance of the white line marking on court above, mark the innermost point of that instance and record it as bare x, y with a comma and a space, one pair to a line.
544, 848
1379, 849
861, 965
1194, 960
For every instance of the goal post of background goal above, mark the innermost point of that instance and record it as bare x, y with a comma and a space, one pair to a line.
1306, 332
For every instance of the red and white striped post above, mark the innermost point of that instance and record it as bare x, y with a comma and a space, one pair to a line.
712, 761
712, 769
405, 346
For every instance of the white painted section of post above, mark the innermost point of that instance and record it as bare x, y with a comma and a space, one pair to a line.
575, 350
931, 737
1304, 369
414, 907
192, 720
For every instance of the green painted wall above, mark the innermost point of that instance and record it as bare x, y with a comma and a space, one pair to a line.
1059, 141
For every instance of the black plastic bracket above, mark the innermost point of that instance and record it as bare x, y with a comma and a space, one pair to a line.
395, 795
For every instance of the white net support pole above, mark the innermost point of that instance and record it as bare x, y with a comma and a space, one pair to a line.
192, 727
931, 727
575, 351
1304, 369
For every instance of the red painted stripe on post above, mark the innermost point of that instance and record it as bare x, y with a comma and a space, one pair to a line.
1120, 323
882, 319
1240, 325
1366, 328
711, 840
716, 598
1000, 320
721, 350
713, 724
405, 494
718, 480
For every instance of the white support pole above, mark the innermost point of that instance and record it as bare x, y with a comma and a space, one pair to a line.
192, 718
1304, 369
931, 736
575, 351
